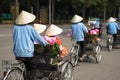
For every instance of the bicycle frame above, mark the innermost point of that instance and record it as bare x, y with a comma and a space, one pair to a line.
74, 52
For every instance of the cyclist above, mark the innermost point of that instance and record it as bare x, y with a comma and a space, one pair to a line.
112, 28
24, 36
78, 29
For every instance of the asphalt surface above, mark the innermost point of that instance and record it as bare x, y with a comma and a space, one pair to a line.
107, 69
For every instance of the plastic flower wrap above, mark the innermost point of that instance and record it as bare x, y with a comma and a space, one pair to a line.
63, 49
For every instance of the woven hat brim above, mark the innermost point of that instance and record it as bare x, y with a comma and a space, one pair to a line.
53, 30
111, 19
76, 19
25, 18
39, 28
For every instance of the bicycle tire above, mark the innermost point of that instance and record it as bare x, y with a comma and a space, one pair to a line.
14, 74
98, 56
73, 60
110, 43
67, 74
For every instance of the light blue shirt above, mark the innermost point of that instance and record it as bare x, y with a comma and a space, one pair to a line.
113, 27
24, 38
78, 30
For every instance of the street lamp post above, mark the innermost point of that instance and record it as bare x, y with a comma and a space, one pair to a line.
52, 11
50, 1
17, 8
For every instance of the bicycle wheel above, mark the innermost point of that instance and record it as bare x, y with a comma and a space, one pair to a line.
14, 74
98, 55
67, 74
74, 57
110, 43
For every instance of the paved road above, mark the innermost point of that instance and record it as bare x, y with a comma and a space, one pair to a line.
108, 69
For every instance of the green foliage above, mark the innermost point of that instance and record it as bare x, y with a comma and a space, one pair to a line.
31, 2
53, 50
67, 8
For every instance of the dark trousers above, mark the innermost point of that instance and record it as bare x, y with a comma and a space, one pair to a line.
82, 48
30, 64
114, 39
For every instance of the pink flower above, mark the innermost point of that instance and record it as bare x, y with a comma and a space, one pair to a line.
50, 40
97, 30
94, 31
69, 34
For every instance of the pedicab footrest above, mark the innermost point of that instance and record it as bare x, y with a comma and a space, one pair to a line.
45, 66
88, 48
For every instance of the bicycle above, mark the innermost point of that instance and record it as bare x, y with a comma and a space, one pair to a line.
74, 53
60, 71
109, 42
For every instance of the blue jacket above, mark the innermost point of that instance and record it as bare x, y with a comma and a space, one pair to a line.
24, 38
113, 27
78, 30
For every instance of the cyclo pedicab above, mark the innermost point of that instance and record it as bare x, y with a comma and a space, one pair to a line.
49, 67
92, 47
51, 64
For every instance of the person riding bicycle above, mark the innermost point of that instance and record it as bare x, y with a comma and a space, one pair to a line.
24, 36
78, 29
112, 28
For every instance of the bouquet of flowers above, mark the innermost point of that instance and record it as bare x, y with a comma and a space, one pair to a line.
94, 33
53, 47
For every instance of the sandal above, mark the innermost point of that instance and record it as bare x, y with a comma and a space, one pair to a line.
81, 59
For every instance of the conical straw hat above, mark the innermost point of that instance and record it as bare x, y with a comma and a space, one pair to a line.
39, 28
76, 19
24, 18
53, 30
111, 19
